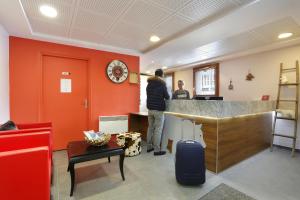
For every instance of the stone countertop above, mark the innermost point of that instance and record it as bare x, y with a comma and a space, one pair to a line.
219, 109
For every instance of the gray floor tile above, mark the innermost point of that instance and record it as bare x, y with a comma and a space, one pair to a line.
267, 175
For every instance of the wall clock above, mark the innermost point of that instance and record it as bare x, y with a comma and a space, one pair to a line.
117, 71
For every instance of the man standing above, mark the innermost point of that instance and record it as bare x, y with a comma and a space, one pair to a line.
156, 95
181, 93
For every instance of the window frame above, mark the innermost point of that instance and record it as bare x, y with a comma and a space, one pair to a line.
217, 76
172, 74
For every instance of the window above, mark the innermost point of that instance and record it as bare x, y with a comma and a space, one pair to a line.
143, 93
206, 80
169, 79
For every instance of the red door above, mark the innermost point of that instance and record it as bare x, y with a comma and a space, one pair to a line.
65, 98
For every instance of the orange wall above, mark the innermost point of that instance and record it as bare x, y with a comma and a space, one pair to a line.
106, 98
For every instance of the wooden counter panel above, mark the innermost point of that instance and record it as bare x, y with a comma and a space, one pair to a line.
209, 129
242, 137
210, 138
139, 123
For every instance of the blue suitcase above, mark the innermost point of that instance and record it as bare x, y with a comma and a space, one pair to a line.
190, 162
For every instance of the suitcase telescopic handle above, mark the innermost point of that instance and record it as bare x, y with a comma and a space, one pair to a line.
194, 125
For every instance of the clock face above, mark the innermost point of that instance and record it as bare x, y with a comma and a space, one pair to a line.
117, 71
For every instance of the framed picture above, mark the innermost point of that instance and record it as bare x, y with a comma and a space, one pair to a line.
133, 77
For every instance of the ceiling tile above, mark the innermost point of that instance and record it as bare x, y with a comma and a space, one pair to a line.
270, 32
145, 14
48, 28
242, 2
251, 39
131, 31
111, 8
200, 9
247, 40
173, 25
86, 35
92, 22
64, 10
172, 4
125, 42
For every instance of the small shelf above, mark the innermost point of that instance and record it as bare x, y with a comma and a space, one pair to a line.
289, 69
286, 118
288, 84
286, 136
288, 100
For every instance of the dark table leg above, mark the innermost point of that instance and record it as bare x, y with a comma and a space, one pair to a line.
121, 163
72, 174
109, 159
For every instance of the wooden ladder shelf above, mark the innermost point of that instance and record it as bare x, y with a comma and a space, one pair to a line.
295, 118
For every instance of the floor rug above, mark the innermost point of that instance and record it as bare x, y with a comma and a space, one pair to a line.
225, 192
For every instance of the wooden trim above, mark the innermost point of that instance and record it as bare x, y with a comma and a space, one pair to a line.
173, 79
217, 77
145, 74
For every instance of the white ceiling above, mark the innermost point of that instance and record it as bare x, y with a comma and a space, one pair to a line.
191, 31
123, 23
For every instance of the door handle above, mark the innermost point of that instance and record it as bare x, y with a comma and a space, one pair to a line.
85, 103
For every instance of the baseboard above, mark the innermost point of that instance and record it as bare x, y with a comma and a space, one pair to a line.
286, 148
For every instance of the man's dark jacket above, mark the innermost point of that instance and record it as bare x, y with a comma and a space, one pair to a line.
156, 94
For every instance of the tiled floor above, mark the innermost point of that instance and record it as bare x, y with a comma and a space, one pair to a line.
264, 176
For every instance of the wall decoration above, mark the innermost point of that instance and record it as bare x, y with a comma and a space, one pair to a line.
249, 76
265, 97
133, 78
117, 71
230, 86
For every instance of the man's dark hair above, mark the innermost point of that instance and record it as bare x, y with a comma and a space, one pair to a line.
159, 72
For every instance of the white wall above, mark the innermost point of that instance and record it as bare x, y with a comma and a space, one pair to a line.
4, 75
265, 68
143, 93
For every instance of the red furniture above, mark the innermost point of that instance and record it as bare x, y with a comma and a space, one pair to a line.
26, 162
25, 128
31, 128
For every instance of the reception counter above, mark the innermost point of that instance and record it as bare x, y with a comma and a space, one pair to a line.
231, 130
219, 109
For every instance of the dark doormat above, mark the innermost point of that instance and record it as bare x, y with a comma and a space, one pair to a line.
224, 192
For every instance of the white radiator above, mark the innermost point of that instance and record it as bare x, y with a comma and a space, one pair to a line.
113, 124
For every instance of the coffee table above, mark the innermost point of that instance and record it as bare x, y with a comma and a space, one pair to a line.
80, 151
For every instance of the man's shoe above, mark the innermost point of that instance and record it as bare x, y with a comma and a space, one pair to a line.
159, 153
149, 150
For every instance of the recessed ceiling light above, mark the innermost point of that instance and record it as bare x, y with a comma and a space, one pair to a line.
148, 72
48, 11
164, 67
154, 38
152, 61
284, 35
